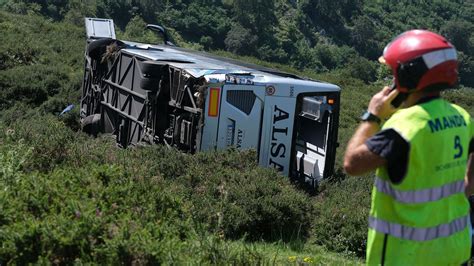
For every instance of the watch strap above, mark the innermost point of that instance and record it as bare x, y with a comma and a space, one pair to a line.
368, 116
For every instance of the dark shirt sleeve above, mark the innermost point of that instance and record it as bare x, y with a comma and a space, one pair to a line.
389, 145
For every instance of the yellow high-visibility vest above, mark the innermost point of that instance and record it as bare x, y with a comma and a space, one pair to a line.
423, 220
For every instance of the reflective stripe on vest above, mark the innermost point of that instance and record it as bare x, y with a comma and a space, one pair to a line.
422, 195
418, 234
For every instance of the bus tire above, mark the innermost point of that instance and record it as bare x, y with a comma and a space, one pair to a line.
91, 124
150, 84
152, 69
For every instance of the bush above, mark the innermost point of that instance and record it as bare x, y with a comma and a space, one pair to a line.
31, 84
49, 138
95, 202
136, 31
362, 68
234, 196
46, 64
240, 40
333, 56
340, 221
461, 96
98, 213
229, 192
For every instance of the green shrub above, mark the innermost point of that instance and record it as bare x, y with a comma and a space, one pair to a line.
362, 68
234, 196
96, 213
136, 31
332, 56
46, 64
115, 206
49, 139
18, 112
461, 96
341, 211
13, 156
229, 192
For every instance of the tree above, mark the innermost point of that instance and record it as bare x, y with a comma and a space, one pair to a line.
466, 69
258, 16
332, 16
118, 10
136, 31
459, 33
240, 40
364, 38
361, 68
198, 20
78, 9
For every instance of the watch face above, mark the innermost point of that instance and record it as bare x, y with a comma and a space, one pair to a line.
365, 116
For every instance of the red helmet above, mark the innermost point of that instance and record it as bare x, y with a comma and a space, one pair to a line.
421, 59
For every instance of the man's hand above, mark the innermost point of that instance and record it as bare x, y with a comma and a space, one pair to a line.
380, 104
358, 158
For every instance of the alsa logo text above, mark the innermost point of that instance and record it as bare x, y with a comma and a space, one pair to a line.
278, 148
240, 136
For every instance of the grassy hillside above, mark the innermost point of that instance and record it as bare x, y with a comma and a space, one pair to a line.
69, 198
321, 35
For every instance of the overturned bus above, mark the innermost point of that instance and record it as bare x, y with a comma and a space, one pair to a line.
195, 101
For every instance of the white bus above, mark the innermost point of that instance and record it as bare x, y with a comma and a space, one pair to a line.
195, 101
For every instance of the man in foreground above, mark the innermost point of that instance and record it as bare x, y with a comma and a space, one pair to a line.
419, 213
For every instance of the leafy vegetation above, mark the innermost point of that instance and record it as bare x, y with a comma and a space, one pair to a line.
85, 200
68, 198
319, 35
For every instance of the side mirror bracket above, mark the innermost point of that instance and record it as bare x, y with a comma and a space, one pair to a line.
161, 31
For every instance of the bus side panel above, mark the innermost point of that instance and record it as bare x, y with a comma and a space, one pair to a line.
277, 133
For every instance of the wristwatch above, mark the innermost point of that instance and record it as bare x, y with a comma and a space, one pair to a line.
369, 117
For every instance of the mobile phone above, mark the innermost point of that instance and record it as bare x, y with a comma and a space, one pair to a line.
401, 97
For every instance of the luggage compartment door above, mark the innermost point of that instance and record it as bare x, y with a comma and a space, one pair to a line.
240, 116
